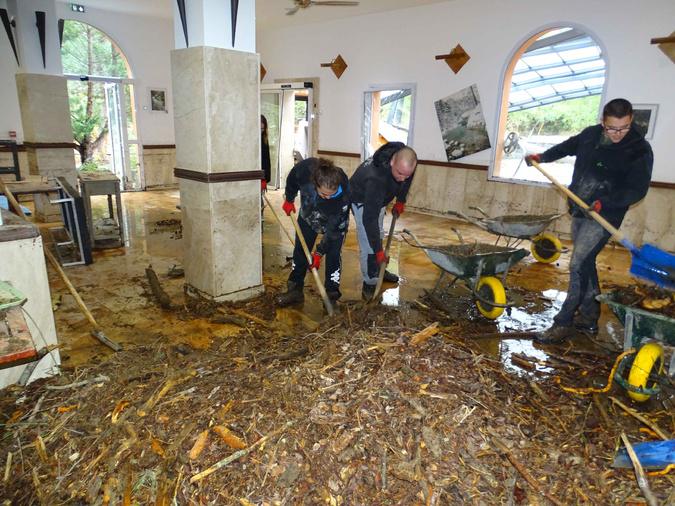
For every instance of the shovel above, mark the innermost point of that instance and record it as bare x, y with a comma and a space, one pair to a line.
383, 267
315, 273
648, 261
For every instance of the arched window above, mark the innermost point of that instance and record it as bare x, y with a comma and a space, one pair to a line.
87, 51
102, 103
552, 90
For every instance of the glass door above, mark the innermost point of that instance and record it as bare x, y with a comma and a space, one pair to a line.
133, 179
116, 146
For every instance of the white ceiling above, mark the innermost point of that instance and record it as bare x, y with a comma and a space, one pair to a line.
269, 13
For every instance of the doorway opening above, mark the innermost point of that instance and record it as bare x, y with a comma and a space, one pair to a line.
387, 117
102, 102
288, 110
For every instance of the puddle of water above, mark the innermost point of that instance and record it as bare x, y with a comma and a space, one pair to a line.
524, 347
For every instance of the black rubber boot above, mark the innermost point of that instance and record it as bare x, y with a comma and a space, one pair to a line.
586, 325
390, 277
368, 291
555, 334
294, 295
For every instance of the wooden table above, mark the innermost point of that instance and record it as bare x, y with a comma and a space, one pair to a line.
101, 183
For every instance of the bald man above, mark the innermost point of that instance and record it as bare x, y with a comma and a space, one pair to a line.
387, 174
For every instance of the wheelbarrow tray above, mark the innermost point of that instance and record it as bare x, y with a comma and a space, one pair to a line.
646, 324
520, 226
464, 260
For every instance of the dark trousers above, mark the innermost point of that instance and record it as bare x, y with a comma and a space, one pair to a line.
589, 238
332, 261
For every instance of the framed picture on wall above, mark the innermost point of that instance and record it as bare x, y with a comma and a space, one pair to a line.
644, 118
158, 100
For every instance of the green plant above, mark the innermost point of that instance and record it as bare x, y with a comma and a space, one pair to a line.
89, 166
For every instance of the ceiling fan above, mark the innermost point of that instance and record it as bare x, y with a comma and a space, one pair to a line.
303, 4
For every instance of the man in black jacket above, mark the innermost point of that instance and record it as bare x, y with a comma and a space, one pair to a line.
324, 209
612, 171
387, 174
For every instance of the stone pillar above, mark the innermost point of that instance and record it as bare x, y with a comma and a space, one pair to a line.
217, 124
43, 99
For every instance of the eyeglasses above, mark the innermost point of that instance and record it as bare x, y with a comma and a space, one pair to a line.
615, 130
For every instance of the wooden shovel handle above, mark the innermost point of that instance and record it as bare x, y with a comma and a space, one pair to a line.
602, 221
315, 273
383, 267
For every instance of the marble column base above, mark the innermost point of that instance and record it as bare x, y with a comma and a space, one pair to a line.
222, 238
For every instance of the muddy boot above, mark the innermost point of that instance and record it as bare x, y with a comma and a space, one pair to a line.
390, 277
368, 291
333, 296
294, 295
556, 334
586, 325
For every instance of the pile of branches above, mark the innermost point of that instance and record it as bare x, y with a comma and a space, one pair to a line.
379, 406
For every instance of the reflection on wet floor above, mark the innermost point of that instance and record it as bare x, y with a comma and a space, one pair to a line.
114, 286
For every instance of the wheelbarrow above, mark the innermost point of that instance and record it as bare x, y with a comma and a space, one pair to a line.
477, 265
644, 331
545, 246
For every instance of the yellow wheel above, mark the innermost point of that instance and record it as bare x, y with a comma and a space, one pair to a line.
491, 289
650, 357
546, 248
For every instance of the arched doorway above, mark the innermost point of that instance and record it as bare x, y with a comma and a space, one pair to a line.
102, 103
552, 89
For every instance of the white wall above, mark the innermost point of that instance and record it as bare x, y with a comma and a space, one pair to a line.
146, 42
399, 47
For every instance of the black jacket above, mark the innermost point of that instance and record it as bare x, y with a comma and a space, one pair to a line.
616, 174
265, 162
373, 187
329, 217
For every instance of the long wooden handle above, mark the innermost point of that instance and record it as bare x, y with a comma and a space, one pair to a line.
97, 332
383, 267
315, 273
602, 221
278, 219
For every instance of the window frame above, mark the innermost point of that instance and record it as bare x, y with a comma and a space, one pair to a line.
502, 108
387, 87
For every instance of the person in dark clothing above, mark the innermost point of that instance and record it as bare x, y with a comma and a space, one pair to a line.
324, 209
387, 174
265, 162
612, 171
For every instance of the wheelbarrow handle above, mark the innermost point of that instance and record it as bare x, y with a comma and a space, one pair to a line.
473, 221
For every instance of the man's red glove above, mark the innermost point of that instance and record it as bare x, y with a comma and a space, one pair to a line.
288, 207
263, 185
398, 208
596, 206
380, 258
535, 157
316, 261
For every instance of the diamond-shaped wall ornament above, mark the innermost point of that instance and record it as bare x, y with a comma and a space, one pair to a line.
263, 72
456, 59
667, 45
338, 66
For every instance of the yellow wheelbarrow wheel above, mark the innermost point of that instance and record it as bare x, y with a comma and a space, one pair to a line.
546, 248
649, 357
490, 289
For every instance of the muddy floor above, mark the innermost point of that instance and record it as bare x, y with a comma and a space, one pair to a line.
415, 400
